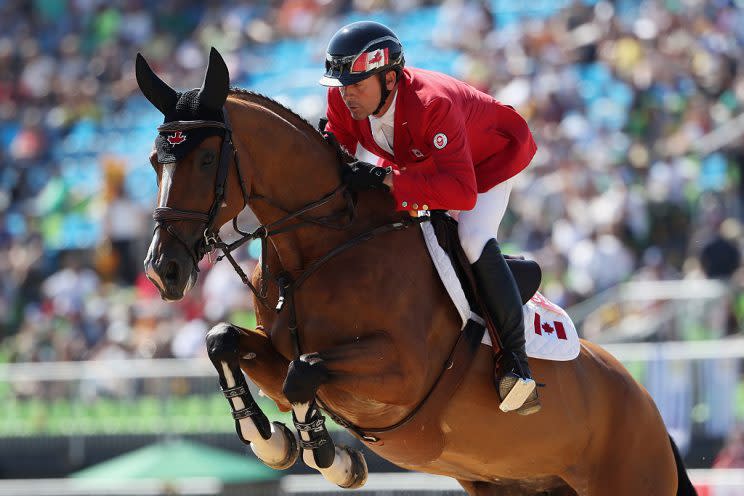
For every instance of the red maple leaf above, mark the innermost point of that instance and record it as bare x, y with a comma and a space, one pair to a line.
547, 328
176, 138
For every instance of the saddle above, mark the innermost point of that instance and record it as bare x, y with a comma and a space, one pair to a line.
527, 273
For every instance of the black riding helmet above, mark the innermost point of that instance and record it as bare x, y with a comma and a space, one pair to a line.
360, 50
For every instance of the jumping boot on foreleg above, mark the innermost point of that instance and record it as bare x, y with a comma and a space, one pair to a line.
500, 293
341, 465
272, 442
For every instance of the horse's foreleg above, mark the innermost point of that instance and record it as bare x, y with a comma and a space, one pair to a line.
272, 442
341, 465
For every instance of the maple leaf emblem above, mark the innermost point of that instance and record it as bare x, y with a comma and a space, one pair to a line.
176, 138
547, 328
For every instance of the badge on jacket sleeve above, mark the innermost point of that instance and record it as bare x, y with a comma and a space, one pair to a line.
440, 140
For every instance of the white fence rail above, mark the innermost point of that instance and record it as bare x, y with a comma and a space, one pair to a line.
139, 487
109, 369
667, 310
708, 482
202, 368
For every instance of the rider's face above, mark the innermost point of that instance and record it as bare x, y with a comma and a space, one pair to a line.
363, 97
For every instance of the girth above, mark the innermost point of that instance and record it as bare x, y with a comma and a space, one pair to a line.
422, 419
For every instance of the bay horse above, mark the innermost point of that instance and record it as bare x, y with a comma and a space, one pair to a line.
354, 321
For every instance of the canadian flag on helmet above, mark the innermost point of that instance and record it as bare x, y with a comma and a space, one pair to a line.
370, 60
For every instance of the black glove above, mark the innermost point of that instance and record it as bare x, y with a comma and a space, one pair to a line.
363, 176
322, 123
331, 138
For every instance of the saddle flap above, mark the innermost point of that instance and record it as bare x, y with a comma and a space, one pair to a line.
549, 332
527, 273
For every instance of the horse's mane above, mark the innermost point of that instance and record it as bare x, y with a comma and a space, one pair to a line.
289, 114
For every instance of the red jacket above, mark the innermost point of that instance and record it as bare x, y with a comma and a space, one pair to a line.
450, 142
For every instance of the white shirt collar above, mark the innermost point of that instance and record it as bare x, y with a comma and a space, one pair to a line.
388, 118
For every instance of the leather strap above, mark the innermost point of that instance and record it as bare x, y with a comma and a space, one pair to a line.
454, 370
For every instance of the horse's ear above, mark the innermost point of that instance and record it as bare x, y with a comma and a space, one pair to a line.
213, 92
155, 89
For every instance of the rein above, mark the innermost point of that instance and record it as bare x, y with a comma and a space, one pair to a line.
265, 231
210, 241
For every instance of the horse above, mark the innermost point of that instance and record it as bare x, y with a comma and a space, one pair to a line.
353, 321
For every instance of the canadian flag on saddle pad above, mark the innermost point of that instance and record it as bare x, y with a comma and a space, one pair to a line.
549, 332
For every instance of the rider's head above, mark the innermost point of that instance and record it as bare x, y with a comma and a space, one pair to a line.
357, 52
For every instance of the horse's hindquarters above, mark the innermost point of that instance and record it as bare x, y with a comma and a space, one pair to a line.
485, 442
583, 434
633, 453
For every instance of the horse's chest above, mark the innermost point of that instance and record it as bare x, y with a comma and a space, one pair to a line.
309, 335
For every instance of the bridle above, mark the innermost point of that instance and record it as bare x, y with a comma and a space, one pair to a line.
210, 240
164, 215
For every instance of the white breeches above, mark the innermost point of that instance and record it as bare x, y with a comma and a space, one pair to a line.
481, 224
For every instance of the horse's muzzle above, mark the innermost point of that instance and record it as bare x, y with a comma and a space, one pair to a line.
172, 276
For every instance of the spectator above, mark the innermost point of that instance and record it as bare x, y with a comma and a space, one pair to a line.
721, 256
621, 97
732, 453
124, 225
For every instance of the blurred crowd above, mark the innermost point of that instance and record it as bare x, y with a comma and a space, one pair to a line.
633, 104
623, 98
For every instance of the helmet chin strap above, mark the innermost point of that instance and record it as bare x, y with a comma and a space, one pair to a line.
384, 94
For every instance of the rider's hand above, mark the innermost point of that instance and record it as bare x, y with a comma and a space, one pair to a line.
331, 138
388, 182
363, 176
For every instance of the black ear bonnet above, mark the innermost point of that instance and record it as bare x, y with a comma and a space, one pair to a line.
199, 104
173, 146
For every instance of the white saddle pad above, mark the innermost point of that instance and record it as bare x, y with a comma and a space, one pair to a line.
549, 332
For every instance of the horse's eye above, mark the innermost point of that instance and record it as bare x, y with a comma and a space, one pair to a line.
208, 158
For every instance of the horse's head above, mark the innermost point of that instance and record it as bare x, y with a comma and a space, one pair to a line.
193, 158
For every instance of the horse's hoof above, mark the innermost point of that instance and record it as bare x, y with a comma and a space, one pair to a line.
293, 451
358, 469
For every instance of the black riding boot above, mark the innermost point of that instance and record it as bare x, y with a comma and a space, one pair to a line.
504, 304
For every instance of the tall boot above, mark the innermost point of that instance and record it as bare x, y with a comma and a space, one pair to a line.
500, 294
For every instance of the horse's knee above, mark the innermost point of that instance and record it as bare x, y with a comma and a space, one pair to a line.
304, 376
223, 342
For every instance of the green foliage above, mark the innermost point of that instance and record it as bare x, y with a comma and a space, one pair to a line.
141, 415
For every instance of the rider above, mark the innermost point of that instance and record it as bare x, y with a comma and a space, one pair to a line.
447, 146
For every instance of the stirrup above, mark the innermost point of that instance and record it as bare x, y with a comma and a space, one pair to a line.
532, 405
514, 391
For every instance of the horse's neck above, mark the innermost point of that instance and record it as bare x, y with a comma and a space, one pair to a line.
291, 167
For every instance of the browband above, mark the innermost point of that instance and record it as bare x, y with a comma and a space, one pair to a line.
184, 125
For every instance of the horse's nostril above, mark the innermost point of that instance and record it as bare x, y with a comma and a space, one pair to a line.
171, 272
